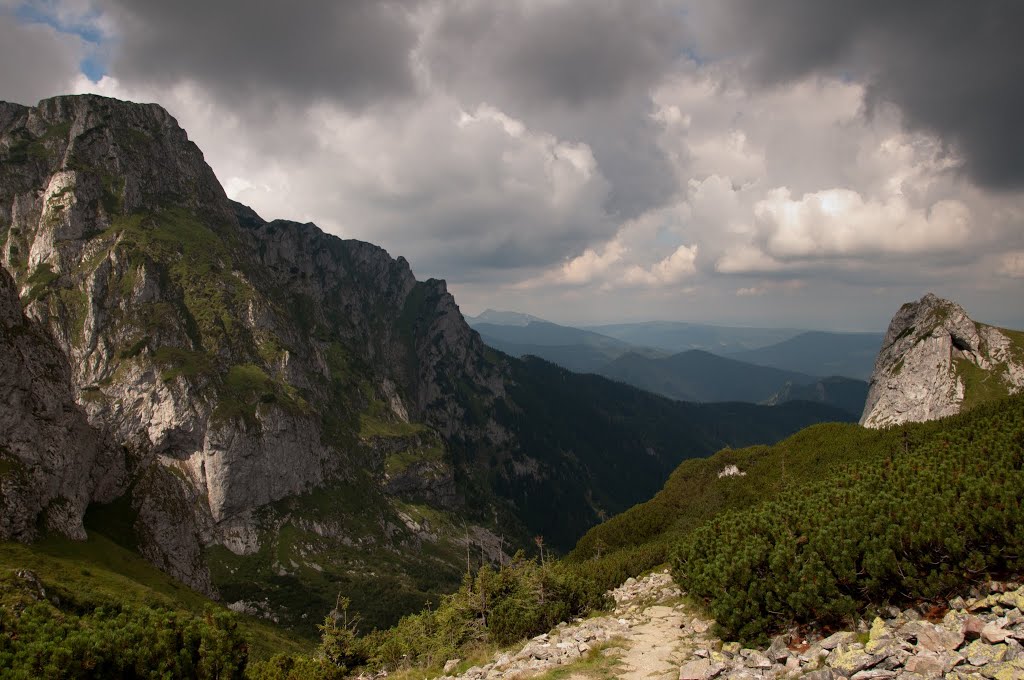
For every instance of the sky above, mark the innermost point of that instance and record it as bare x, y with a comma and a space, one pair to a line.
792, 163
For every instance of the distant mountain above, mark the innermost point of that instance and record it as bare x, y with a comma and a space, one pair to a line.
697, 375
679, 336
502, 318
848, 394
575, 349
819, 353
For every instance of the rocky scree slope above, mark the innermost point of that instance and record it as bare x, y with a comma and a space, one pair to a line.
279, 413
935, 361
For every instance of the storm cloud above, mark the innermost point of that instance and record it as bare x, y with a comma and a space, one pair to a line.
953, 68
356, 52
793, 162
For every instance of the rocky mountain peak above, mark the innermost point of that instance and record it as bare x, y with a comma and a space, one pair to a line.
936, 361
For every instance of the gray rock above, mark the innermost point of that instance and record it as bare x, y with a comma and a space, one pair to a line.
700, 669
939, 639
755, 659
836, 639
915, 376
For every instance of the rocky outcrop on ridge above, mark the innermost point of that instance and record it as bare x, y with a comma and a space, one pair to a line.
652, 633
935, 361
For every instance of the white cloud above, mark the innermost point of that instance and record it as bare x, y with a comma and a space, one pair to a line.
678, 266
840, 222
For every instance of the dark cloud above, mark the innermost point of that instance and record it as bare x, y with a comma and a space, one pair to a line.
581, 71
954, 67
355, 52
38, 62
563, 53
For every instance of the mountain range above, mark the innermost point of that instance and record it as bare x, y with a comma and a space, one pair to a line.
796, 368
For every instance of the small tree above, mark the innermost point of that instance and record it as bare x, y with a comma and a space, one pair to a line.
338, 636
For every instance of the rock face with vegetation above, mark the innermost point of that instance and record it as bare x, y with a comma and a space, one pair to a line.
935, 361
53, 463
273, 414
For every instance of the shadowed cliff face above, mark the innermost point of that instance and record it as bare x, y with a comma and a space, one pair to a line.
54, 464
935, 361
242, 362
295, 408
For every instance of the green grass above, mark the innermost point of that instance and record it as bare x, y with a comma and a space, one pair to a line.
98, 571
384, 576
175, 361
601, 662
980, 386
375, 426
640, 538
41, 281
199, 258
246, 386
399, 461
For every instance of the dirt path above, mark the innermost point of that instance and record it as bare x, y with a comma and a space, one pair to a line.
653, 649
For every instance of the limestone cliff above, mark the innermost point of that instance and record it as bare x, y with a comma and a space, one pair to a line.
54, 464
935, 361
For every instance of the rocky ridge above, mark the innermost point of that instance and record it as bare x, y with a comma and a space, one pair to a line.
935, 361
653, 633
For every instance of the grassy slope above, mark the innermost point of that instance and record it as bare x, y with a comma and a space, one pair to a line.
98, 571
641, 537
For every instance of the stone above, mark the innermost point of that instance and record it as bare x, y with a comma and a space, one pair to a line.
778, 651
823, 674
731, 648
973, 628
874, 674
836, 639
926, 664
848, 661
450, 665
880, 630
700, 626
756, 659
979, 653
939, 639
700, 669
993, 634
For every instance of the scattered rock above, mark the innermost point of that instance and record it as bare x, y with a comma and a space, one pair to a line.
700, 669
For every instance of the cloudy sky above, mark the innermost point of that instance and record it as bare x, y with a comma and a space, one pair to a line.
786, 163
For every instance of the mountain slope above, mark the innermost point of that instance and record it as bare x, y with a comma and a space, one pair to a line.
819, 353
845, 393
936, 361
701, 376
293, 414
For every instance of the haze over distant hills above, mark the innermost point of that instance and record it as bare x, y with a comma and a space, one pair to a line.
784, 371
820, 353
679, 336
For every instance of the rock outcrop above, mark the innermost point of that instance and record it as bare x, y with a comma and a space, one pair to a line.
935, 361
